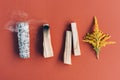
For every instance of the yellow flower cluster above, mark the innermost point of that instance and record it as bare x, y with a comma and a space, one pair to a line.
97, 38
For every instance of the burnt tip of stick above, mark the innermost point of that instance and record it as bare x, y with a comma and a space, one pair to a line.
45, 26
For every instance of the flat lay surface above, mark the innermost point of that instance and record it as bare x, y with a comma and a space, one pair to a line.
59, 14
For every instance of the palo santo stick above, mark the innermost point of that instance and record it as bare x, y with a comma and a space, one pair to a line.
68, 46
76, 46
47, 46
23, 39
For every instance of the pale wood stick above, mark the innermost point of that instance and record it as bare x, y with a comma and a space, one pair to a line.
47, 46
68, 46
76, 46
23, 39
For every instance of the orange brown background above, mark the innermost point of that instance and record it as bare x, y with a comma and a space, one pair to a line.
59, 13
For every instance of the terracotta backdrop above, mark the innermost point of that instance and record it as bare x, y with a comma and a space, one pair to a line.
59, 13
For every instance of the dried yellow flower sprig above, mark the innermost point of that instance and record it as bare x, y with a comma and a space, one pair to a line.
97, 38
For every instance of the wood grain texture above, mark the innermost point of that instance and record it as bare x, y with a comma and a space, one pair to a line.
68, 46
76, 46
47, 46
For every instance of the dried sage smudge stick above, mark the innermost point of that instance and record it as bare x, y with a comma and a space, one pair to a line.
23, 39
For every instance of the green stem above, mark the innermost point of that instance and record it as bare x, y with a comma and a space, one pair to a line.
97, 50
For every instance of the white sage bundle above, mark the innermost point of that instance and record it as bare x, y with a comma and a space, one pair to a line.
23, 39
47, 46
